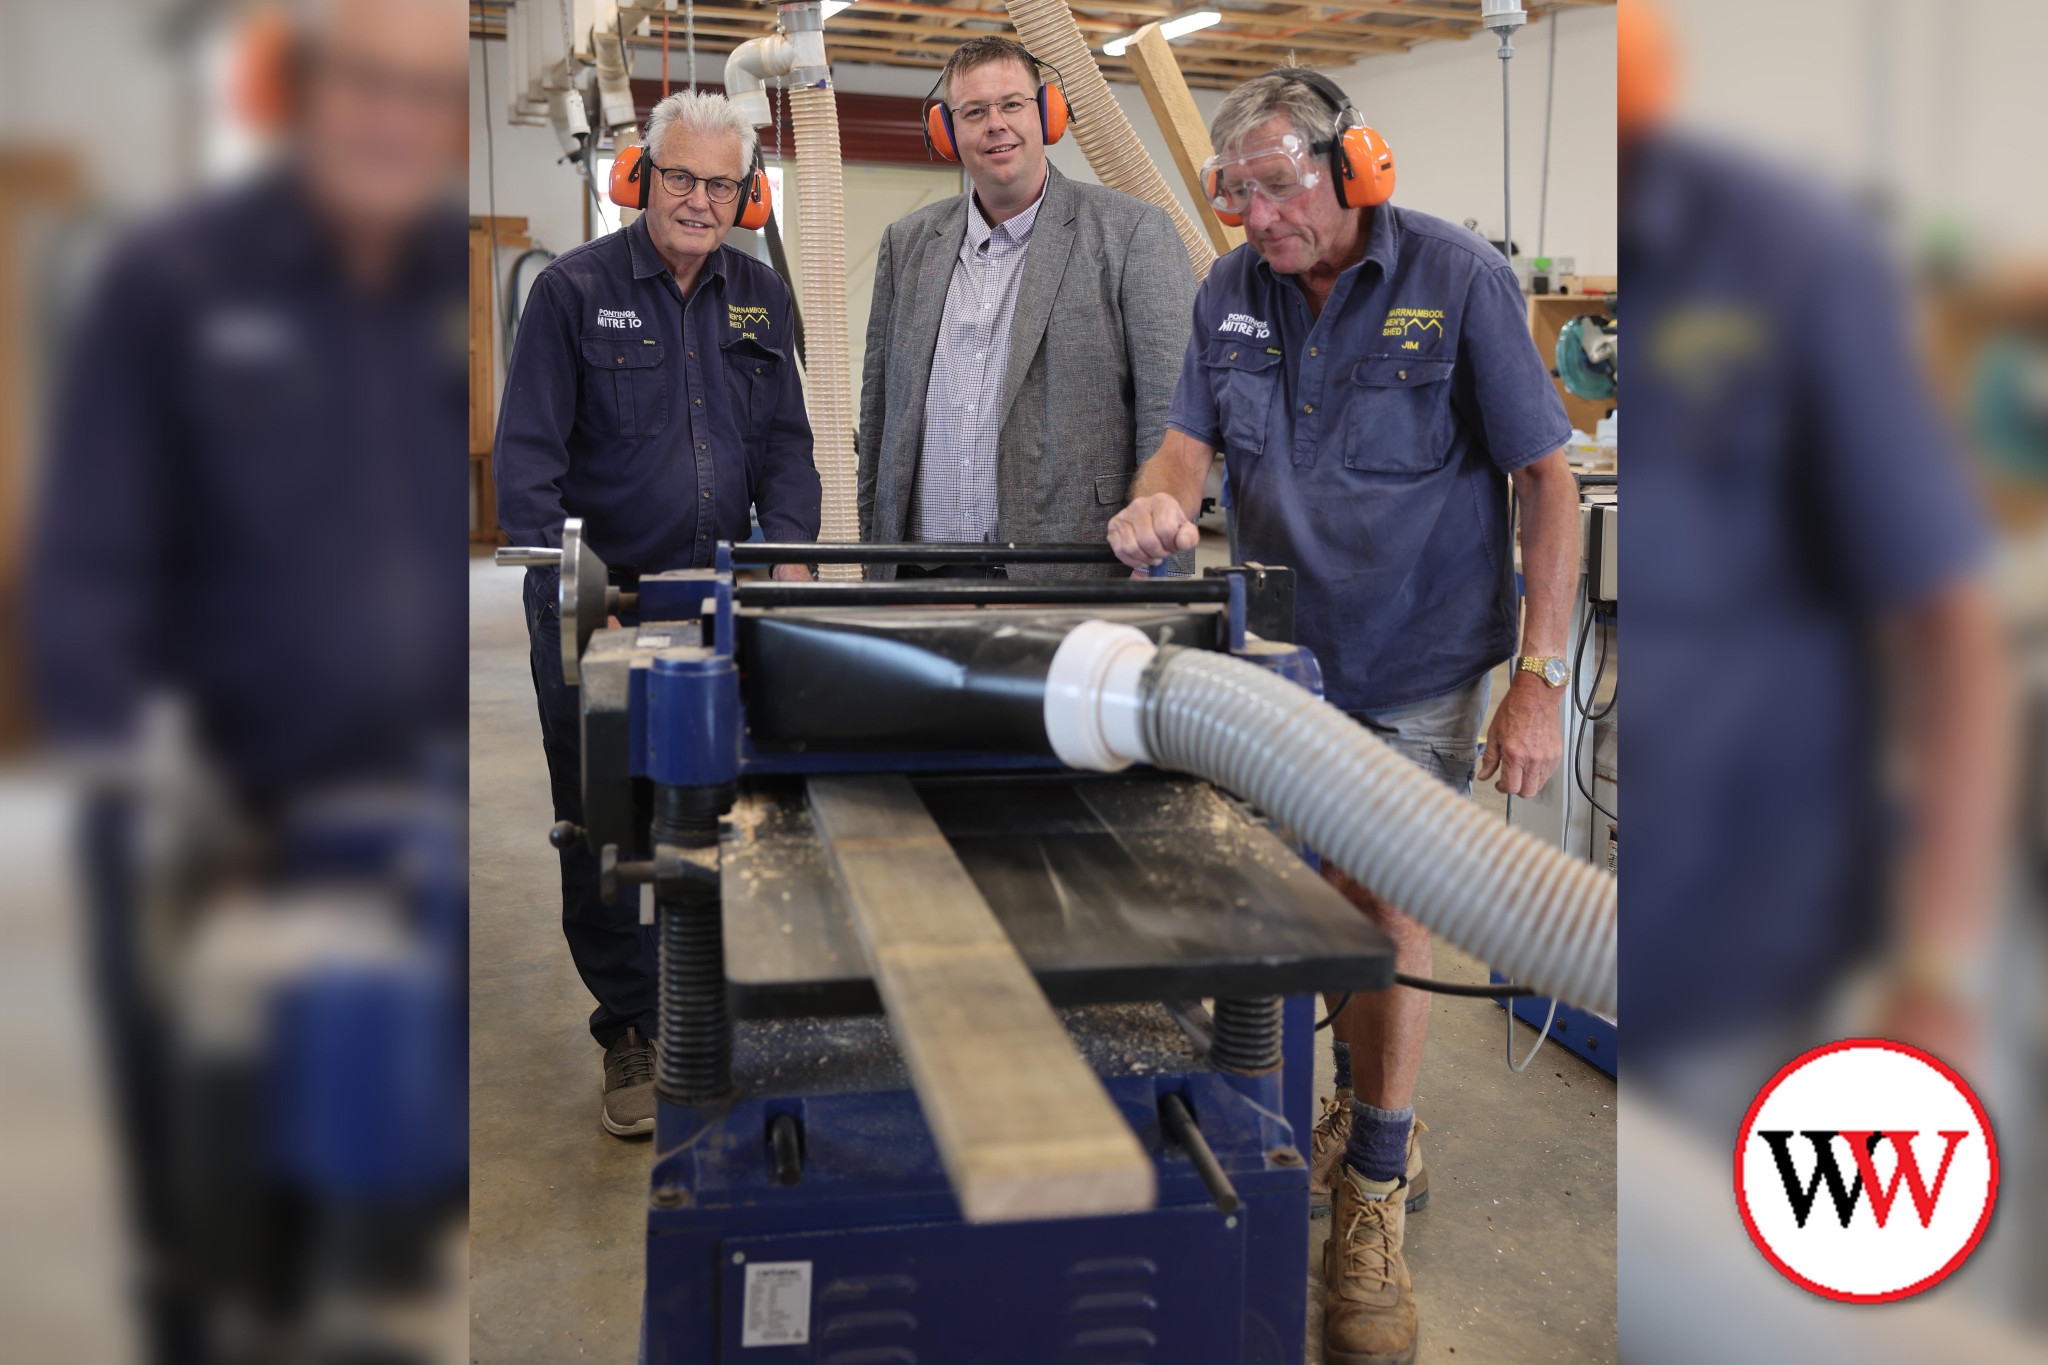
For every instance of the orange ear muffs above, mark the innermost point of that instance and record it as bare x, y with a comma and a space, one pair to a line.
1224, 216
1646, 68
757, 199
265, 70
1053, 116
628, 185
938, 132
1052, 112
1364, 165
632, 173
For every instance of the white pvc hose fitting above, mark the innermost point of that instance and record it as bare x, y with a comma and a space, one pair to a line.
747, 71
1095, 697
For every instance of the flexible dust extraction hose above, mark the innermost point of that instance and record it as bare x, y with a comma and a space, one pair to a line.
1047, 27
1534, 914
828, 378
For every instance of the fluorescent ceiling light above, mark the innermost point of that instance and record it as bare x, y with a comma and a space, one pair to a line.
1172, 28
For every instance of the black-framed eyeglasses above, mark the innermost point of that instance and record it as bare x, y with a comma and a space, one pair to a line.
718, 188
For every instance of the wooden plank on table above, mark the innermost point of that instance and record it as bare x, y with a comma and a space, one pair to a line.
1023, 1126
1166, 90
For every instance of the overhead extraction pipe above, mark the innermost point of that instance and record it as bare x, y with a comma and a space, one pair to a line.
1113, 698
1047, 27
614, 75
796, 56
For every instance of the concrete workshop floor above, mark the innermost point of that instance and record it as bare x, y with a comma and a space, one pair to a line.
557, 1206
1513, 1259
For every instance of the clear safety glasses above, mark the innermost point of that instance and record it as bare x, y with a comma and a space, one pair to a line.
1277, 171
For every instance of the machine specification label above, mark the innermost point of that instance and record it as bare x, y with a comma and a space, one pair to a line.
778, 1311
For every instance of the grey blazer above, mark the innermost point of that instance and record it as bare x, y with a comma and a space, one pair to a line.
1101, 327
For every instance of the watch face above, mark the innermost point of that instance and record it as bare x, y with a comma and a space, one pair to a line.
1554, 672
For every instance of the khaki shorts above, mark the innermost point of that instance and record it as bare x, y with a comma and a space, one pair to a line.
1439, 735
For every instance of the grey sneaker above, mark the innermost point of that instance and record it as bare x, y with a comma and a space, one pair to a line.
628, 1108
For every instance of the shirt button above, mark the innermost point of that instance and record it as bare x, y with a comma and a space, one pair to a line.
757, 369
1233, 355
693, 355
707, 492
700, 445
1400, 374
698, 401
1308, 407
1311, 350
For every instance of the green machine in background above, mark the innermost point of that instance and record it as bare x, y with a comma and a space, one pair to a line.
2009, 404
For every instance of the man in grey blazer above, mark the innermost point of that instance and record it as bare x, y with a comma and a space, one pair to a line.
1025, 339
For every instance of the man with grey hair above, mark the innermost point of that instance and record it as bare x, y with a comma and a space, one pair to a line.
652, 392
1367, 371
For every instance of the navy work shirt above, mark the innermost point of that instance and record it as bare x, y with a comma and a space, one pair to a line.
660, 422
254, 497
1789, 487
1369, 448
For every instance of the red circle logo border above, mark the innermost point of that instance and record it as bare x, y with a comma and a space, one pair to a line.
1852, 1045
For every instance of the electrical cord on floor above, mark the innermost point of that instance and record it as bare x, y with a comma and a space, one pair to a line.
1541, 1034
1472, 990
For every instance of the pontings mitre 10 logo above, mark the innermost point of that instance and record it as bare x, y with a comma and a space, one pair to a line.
1866, 1171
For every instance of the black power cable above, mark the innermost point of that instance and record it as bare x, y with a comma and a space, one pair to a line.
1584, 708
1472, 990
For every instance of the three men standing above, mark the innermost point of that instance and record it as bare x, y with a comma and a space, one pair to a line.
1369, 374
1367, 370
1024, 338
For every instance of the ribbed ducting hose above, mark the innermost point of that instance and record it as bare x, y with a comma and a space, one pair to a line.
828, 382
1544, 919
1047, 27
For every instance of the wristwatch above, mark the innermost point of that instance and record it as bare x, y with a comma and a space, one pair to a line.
1550, 668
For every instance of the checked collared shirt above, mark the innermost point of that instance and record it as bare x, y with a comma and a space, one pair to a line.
956, 476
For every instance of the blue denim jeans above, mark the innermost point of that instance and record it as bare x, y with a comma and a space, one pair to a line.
1440, 734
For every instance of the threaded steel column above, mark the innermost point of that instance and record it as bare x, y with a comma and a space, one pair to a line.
695, 1052
1246, 1035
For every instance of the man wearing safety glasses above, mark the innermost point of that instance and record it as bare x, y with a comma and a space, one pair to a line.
1368, 373
653, 392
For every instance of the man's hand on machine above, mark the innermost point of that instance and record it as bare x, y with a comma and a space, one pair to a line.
1150, 529
1524, 743
791, 573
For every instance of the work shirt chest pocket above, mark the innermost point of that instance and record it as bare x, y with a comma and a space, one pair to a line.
1244, 376
625, 386
753, 375
1399, 419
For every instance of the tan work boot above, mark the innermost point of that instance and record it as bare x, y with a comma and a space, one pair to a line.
1326, 1153
1368, 1302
